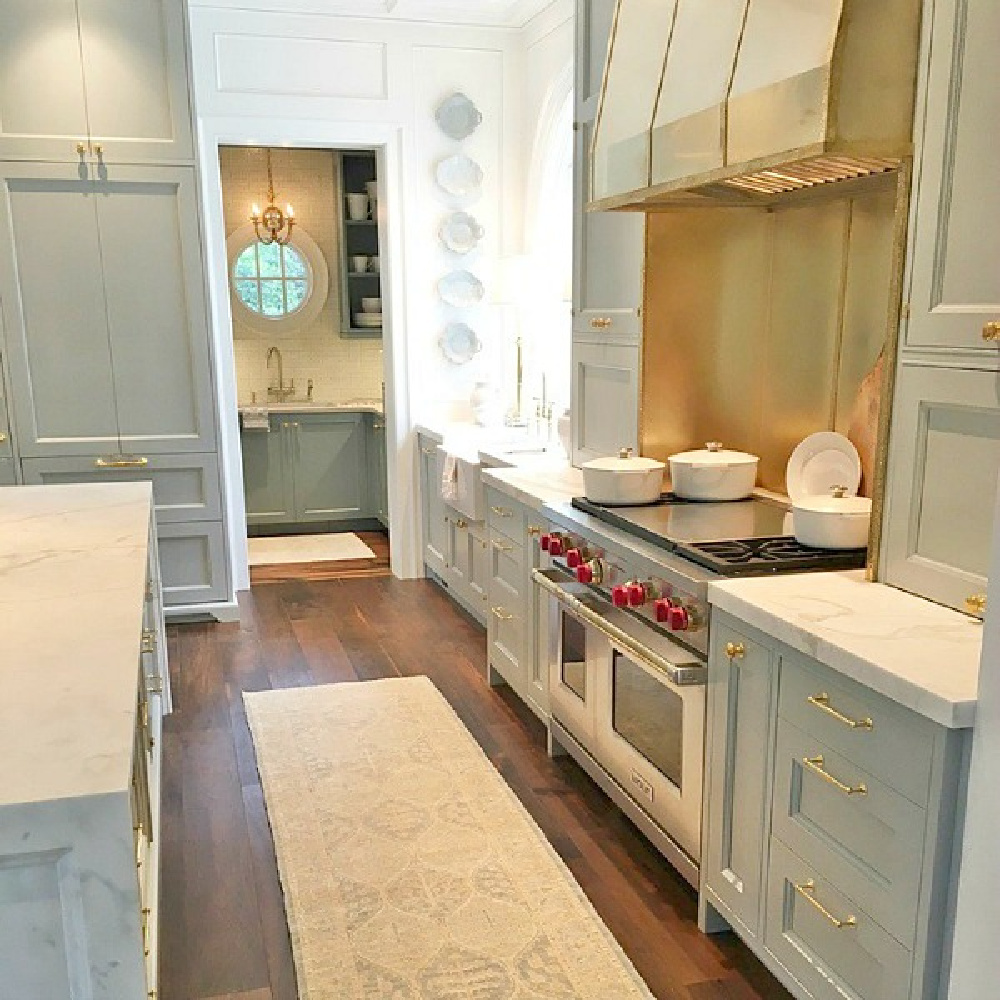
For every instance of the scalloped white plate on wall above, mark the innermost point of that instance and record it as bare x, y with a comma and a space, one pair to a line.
459, 343
458, 117
461, 288
459, 175
461, 232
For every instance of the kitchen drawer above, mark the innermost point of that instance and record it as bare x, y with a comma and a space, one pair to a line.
506, 629
898, 745
869, 843
505, 515
858, 960
507, 565
192, 563
185, 487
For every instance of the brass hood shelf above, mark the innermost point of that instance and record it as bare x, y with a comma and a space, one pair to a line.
755, 99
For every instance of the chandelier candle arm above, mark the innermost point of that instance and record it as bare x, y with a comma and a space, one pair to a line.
277, 225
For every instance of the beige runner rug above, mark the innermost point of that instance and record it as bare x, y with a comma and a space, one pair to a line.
410, 870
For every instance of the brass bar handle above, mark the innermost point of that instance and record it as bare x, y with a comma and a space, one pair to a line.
601, 322
502, 614
502, 546
976, 604
991, 332
735, 650
534, 531
815, 764
502, 512
822, 702
122, 462
807, 891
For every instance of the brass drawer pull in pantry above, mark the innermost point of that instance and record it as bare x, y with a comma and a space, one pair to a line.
504, 616
822, 702
735, 650
807, 890
502, 546
601, 322
122, 462
991, 332
815, 764
976, 604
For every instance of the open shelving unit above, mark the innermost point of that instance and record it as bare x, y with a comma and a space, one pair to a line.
356, 168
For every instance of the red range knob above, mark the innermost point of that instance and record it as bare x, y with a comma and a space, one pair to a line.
636, 595
619, 596
555, 546
574, 557
544, 542
678, 619
585, 573
662, 607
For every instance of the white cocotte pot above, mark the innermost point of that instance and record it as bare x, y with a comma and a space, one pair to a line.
836, 521
713, 473
625, 480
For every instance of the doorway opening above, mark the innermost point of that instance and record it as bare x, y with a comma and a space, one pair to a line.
302, 232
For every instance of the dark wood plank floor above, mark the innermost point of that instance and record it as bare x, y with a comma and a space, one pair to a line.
337, 569
223, 933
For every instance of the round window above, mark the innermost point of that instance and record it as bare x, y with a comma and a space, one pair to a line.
275, 287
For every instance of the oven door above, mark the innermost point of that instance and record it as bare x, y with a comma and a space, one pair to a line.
650, 739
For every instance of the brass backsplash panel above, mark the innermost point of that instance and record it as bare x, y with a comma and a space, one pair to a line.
761, 323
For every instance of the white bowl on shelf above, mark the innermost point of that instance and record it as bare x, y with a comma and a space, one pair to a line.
368, 320
372, 304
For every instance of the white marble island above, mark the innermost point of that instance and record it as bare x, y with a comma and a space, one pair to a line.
81, 684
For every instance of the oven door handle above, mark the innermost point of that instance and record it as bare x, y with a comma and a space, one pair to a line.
680, 674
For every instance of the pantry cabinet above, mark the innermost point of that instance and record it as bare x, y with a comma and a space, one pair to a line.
829, 823
945, 438
94, 79
267, 473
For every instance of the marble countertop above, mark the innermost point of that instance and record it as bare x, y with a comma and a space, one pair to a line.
72, 588
920, 654
306, 406
502, 447
537, 483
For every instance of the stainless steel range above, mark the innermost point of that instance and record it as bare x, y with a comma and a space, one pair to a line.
629, 625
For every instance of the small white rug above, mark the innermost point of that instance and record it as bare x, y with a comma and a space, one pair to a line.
410, 869
307, 548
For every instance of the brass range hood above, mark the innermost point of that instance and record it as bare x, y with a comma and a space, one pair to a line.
747, 101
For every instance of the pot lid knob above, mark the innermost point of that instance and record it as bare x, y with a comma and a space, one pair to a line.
624, 452
714, 446
839, 492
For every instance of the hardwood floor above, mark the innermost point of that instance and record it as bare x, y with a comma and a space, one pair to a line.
222, 931
338, 569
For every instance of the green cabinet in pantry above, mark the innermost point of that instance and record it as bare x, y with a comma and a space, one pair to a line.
435, 528
829, 823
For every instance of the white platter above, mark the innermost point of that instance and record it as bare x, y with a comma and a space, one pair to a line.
370, 320
458, 117
459, 175
459, 343
461, 232
461, 288
820, 462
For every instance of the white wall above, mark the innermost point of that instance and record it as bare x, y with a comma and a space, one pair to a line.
975, 966
265, 78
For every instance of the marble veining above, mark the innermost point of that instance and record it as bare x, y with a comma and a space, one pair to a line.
920, 654
73, 563
538, 483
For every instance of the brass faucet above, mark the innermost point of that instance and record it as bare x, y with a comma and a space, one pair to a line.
279, 392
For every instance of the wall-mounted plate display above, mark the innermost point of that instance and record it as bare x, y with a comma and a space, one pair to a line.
458, 117
459, 175
459, 343
461, 288
461, 232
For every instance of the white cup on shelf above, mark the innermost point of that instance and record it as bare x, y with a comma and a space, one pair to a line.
357, 207
359, 263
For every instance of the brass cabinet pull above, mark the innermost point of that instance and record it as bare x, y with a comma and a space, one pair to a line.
534, 531
461, 523
991, 332
976, 603
601, 322
815, 764
822, 702
81, 148
502, 614
807, 890
502, 546
378, 427
122, 462
502, 512
735, 650
3, 437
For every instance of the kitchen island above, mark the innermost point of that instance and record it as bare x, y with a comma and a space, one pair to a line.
82, 689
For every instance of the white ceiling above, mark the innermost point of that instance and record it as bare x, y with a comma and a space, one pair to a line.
490, 13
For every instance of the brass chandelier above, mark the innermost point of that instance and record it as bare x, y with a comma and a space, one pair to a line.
272, 225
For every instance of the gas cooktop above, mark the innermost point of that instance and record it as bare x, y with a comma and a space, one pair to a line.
731, 538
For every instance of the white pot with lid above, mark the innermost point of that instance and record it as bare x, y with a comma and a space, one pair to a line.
713, 473
834, 521
627, 480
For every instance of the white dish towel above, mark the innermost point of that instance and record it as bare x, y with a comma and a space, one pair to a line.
255, 418
449, 479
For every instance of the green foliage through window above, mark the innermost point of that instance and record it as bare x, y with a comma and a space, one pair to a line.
272, 280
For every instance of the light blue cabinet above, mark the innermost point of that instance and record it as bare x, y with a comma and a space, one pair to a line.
315, 467
829, 824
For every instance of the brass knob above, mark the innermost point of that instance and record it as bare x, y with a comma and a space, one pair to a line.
976, 603
991, 331
98, 150
735, 650
81, 148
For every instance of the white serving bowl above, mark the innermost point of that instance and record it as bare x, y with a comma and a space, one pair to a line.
713, 473
372, 304
836, 521
625, 480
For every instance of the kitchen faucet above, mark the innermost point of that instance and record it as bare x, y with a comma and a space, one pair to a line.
281, 391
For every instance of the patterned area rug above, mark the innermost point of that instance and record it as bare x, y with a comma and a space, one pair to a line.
410, 870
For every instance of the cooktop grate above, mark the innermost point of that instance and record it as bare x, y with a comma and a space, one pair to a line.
759, 556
